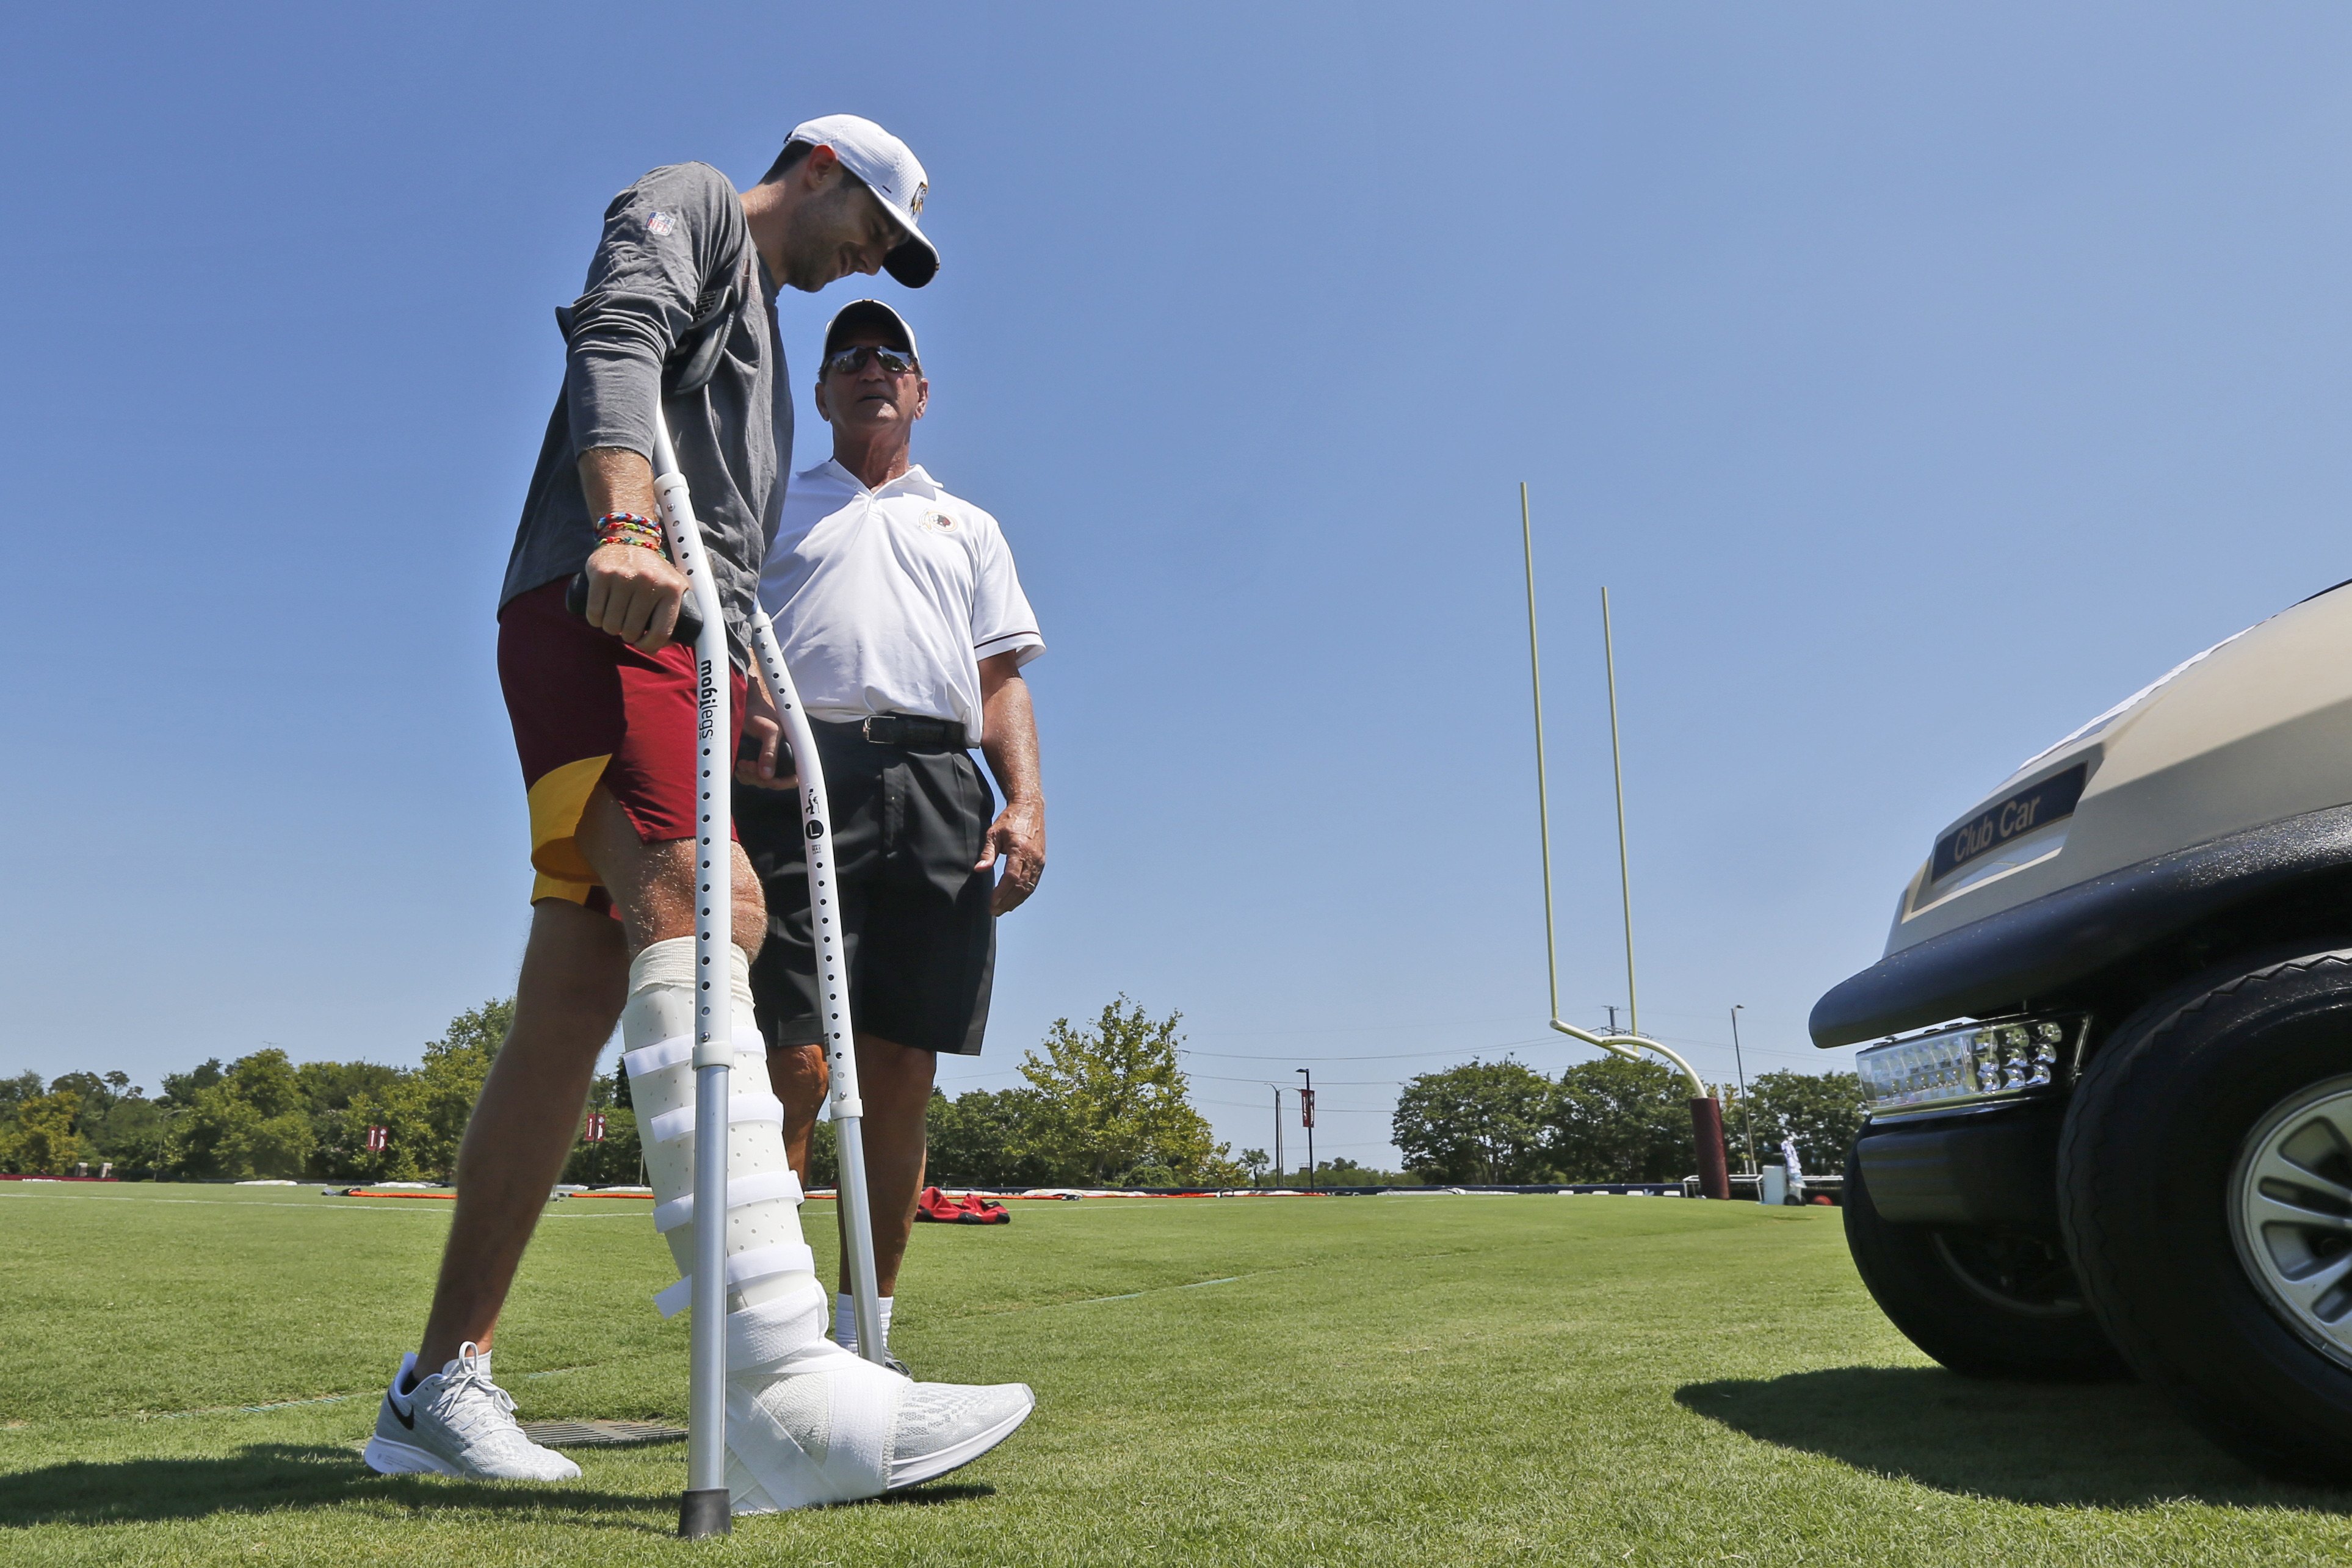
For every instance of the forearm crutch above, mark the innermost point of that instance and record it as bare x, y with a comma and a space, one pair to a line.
833, 993
704, 1509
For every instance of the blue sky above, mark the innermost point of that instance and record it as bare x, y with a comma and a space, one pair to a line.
1919, 381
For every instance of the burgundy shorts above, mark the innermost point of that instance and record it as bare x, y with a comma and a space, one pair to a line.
588, 708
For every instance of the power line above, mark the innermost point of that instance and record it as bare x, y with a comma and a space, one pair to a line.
1336, 1083
1392, 1056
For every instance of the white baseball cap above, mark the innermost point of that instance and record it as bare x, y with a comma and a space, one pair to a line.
888, 167
861, 315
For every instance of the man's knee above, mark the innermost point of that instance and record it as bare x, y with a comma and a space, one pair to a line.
574, 963
798, 1076
654, 884
750, 905
895, 1076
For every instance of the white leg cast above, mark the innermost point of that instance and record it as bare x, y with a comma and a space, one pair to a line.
807, 1422
764, 1222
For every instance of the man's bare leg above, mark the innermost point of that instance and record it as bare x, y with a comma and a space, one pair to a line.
574, 984
798, 1076
574, 980
894, 1080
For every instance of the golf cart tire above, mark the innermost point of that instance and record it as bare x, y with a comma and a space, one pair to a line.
2149, 1166
1917, 1274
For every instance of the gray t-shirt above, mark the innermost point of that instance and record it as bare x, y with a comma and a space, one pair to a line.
673, 242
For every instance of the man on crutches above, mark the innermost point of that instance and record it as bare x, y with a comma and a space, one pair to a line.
675, 329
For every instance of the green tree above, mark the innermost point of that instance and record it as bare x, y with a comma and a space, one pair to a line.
331, 1085
983, 1138
95, 1091
1112, 1100
253, 1121
1820, 1112
423, 1112
339, 1133
42, 1141
15, 1092
1345, 1171
1256, 1163
1482, 1122
180, 1088
1617, 1120
450, 1081
118, 1123
824, 1156
399, 1108
614, 1162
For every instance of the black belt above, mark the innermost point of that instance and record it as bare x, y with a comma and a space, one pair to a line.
910, 730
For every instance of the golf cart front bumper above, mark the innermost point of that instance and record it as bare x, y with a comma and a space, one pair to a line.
2046, 948
1996, 1169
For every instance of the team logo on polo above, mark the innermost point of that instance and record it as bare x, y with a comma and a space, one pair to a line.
938, 522
660, 224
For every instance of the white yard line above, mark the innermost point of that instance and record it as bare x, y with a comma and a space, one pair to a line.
224, 1202
278, 1203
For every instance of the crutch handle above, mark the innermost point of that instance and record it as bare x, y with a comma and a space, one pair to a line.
689, 630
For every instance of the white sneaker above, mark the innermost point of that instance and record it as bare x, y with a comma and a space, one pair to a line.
458, 1423
821, 1425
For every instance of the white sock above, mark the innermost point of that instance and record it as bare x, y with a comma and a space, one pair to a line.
844, 1321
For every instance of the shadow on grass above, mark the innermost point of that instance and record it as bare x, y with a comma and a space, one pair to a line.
2105, 1445
274, 1475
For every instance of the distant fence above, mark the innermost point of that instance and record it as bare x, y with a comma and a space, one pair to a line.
1742, 1187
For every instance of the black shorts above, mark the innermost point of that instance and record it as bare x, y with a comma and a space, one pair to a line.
907, 827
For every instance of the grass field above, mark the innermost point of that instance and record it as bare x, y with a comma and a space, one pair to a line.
1390, 1380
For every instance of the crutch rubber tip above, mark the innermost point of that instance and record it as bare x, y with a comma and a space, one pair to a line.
704, 1513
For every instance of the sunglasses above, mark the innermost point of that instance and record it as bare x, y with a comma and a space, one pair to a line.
849, 361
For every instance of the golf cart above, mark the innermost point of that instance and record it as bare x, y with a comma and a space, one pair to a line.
2110, 1115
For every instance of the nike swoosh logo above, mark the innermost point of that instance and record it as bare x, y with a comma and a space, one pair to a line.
399, 1415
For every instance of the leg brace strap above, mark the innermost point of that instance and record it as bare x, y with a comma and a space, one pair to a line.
792, 1257
740, 1108
679, 1048
740, 1190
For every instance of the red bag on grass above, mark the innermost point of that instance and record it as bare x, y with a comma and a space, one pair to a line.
939, 1209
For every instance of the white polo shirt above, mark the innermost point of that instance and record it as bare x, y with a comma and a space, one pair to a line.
886, 600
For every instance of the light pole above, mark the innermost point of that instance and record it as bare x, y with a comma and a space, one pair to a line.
1307, 1116
1277, 1133
1746, 1114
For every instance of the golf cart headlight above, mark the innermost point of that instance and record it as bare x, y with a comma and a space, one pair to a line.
1973, 1061
2043, 1066
1984, 1056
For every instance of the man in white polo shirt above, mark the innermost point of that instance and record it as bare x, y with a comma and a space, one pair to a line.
902, 620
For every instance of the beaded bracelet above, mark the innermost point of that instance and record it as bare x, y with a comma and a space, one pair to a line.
629, 529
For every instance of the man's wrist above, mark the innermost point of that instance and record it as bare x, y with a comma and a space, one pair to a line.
631, 529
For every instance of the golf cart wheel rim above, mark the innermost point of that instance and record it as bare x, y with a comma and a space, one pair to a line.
2291, 1213
1992, 1293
